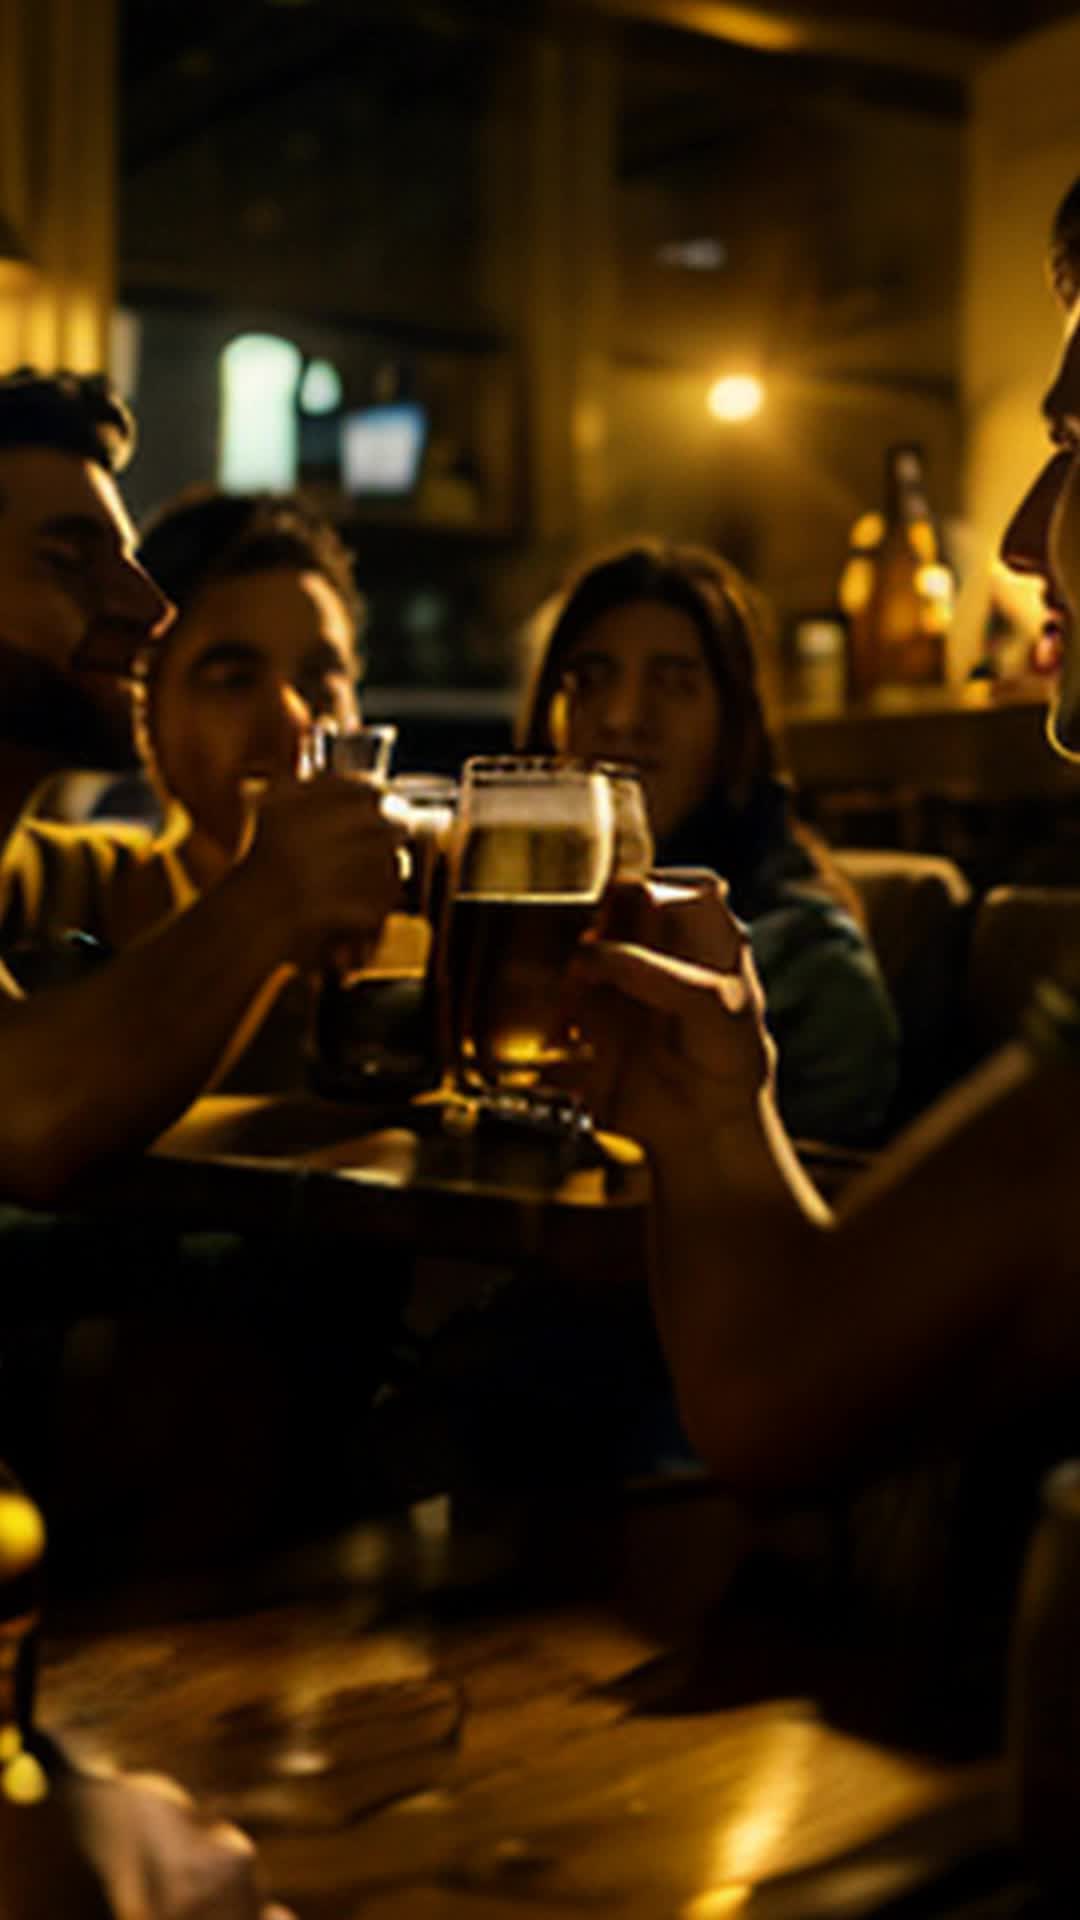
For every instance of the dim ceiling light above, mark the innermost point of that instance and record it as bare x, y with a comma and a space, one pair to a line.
738, 396
704, 255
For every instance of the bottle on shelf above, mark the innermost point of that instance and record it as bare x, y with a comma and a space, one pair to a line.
896, 590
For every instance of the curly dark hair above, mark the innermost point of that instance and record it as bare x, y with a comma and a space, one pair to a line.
79, 413
204, 535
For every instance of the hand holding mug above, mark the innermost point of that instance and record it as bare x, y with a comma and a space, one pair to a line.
673, 1008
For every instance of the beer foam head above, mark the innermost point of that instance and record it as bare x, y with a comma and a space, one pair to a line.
534, 828
533, 860
534, 800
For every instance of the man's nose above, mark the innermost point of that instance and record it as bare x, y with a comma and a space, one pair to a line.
138, 601
1024, 544
133, 617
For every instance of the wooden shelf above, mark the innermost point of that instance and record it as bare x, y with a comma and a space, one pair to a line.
937, 746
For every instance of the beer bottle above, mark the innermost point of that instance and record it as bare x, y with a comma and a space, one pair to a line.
896, 589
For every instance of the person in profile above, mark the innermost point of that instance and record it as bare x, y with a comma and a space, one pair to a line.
99, 1068
936, 1313
653, 657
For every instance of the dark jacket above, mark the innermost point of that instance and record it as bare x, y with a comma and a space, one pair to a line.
827, 1006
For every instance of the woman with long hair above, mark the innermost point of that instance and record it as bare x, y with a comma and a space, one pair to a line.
653, 656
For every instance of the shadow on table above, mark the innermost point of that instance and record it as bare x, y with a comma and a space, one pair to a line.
954, 1863
780, 1631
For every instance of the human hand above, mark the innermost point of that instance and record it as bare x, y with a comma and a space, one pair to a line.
674, 1013
104, 1846
325, 856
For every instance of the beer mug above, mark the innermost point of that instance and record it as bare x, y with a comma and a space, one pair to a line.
634, 849
531, 856
1043, 1716
425, 803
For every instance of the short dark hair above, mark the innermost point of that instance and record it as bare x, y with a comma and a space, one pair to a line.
1065, 247
79, 413
204, 535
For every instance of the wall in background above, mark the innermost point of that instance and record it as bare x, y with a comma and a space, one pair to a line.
1024, 152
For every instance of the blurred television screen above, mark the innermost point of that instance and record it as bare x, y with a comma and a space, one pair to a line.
382, 449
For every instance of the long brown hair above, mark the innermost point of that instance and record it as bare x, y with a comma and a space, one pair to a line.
735, 627
730, 618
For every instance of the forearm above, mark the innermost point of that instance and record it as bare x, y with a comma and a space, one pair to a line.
104, 1065
804, 1348
734, 1219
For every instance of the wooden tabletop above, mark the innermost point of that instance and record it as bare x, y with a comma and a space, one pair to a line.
272, 1162
295, 1162
519, 1763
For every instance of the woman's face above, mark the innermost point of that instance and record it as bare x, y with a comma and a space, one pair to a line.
639, 689
249, 666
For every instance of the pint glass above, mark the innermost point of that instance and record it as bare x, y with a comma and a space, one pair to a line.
531, 857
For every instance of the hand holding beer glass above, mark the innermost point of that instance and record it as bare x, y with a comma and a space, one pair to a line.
531, 856
375, 1031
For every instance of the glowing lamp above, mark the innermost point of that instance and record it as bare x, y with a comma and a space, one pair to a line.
321, 390
738, 396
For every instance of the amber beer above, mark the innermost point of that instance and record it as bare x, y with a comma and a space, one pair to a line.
526, 886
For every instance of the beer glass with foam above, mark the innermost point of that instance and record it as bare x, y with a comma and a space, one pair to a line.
531, 856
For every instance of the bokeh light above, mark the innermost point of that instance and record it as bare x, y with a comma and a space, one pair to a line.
736, 397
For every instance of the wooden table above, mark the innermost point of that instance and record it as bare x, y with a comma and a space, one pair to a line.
292, 1163
289, 1161
470, 1764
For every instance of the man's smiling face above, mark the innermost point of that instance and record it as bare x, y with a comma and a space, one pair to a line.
76, 608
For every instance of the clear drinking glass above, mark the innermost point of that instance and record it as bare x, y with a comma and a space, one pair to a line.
635, 850
374, 1033
366, 750
531, 856
426, 804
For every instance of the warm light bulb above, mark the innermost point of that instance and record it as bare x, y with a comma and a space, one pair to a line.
738, 396
23, 1781
22, 1535
869, 530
